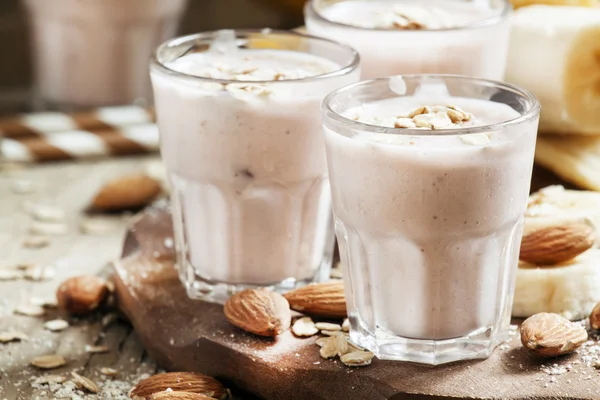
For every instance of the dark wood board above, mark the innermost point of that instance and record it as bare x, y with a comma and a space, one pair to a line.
183, 334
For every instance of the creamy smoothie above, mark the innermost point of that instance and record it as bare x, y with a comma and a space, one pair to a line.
428, 36
95, 52
242, 144
429, 223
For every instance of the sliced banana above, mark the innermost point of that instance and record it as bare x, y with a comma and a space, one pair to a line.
570, 289
554, 52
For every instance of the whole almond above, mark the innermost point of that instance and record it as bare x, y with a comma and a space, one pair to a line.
595, 317
555, 244
260, 311
179, 396
179, 382
550, 335
320, 299
81, 294
127, 192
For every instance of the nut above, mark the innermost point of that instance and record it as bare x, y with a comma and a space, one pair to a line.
189, 382
56, 325
357, 358
84, 383
550, 335
304, 327
334, 346
558, 243
49, 362
595, 317
127, 192
327, 326
81, 294
320, 299
179, 396
260, 311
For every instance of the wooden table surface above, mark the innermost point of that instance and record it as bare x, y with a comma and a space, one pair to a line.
70, 186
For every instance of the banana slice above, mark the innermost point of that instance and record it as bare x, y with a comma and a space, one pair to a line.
575, 159
570, 289
554, 52
578, 3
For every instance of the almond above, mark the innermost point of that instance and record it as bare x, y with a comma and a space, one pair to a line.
550, 335
555, 244
319, 299
127, 192
260, 311
81, 294
179, 382
179, 396
595, 317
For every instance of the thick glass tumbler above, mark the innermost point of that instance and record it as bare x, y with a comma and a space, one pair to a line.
430, 176
466, 37
238, 114
95, 53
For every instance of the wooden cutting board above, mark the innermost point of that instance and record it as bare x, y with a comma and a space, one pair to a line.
183, 334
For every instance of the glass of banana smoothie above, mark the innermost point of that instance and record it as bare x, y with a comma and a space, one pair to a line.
430, 177
238, 114
417, 36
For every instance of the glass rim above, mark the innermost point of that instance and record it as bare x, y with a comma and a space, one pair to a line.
242, 33
532, 111
493, 20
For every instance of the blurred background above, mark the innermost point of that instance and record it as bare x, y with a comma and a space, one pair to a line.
16, 68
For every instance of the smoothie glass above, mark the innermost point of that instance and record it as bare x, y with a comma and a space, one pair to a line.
246, 161
476, 45
91, 53
429, 222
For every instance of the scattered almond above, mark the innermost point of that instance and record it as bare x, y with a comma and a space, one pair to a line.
357, 358
332, 333
48, 228
177, 382
595, 317
10, 274
179, 396
46, 213
84, 383
56, 325
334, 346
304, 327
35, 242
108, 371
39, 273
327, 326
96, 349
10, 336
48, 362
30, 310
550, 335
81, 294
319, 299
555, 244
260, 311
127, 192
96, 226
45, 379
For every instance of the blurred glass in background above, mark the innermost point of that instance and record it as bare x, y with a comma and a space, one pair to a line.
85, 61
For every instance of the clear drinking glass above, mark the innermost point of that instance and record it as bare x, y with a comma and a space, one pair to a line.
465, 37
246, 162
90, 53
429, 222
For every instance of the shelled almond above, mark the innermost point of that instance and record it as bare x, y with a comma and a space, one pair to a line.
320, 299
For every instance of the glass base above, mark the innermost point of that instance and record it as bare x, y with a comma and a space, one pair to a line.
477, 345
199, 288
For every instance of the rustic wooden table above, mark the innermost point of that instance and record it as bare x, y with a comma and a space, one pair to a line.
69, 186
